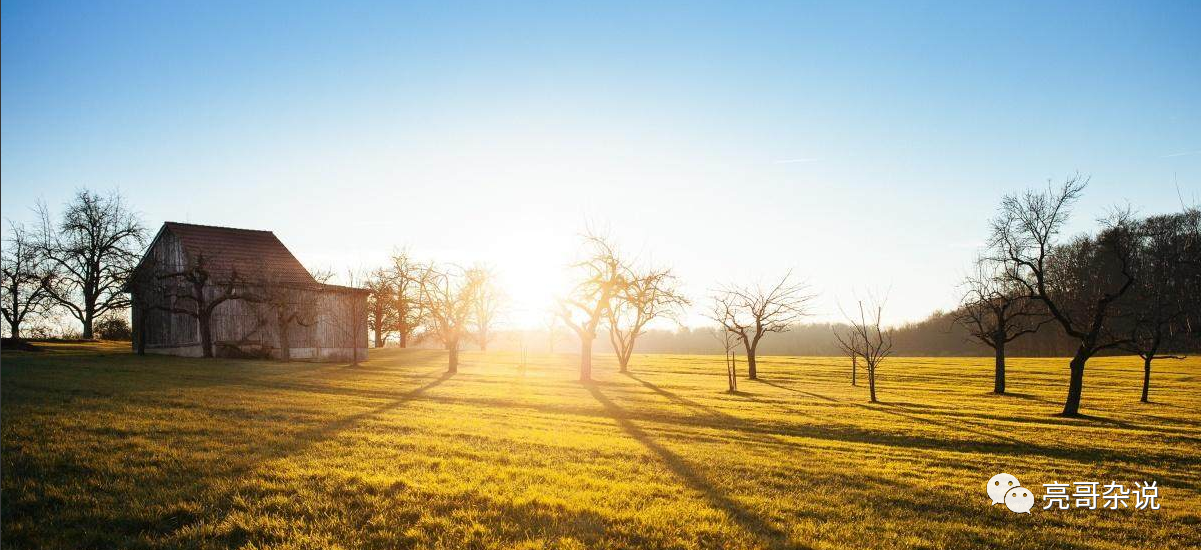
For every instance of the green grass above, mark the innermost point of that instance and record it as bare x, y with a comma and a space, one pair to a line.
104, 449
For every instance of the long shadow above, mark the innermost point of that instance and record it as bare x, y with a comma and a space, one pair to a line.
851, 434
753, 524
885, 408
671, 396
297, 442
1027, 396
311, 436
803, 392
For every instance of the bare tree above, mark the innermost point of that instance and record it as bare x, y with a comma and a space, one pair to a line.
868, 340
729, 342
408, 314
995, 312
1078, 282
848, 342
448, 295
194, 291
92, 249
1190, 267
1155, 313
381, 305
285, 305
645, 296
487, 306
602, 275
349, 312
753, 311
552, 329
27, 279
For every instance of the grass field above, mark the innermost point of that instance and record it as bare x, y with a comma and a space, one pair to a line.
104, 449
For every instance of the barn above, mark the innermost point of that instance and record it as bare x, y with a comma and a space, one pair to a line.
240, 293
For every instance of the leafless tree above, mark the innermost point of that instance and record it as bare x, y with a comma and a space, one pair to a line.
729, 342
194, 291
602, 275
552, 329
408, 314
751, 312
349, 315
487, 306
27, 279
645, 296
322, 275
1155, 313
848, 342
381, 305
92, 249
995, 312
448, 295
285, 305
1077, 282
1190, 267
868, 340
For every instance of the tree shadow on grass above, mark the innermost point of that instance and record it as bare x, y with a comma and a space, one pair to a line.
1027, 396
308, 437
768, 430
886, 408
789, 388
675, 398
748, 520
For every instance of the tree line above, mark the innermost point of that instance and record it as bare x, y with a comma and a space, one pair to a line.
1133, 286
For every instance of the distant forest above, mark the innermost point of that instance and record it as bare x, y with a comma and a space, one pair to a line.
938, 335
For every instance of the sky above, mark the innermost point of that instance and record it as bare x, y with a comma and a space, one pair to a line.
863, 146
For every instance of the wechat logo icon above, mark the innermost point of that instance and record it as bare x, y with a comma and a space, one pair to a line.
1006, 489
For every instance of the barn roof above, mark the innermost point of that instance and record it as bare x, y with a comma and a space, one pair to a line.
250, 252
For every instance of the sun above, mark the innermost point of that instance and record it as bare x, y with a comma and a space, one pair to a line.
532, 279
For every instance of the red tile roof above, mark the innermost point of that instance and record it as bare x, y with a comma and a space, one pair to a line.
250, 252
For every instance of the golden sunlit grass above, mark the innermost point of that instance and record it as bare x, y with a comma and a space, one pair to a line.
105, 449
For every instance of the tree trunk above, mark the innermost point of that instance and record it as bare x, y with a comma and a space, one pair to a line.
1146, 378
751, 371
452, 358
854, 370
623, 360
87, 328
732, 371
1071, 407
14, 329
402, 339
998, 384
585, 359
871, 382
379, 340
285, 344
206, 335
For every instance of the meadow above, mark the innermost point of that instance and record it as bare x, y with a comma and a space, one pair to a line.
106, 449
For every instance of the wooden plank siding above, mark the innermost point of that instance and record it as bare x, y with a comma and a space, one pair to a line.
245, 328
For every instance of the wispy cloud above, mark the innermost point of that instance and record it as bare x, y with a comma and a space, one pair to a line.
1182, 154
794, 161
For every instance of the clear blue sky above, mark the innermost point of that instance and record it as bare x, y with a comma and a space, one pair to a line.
728, 140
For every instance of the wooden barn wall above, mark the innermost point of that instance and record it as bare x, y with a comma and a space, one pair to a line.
340, 321
254, 326
166, 329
